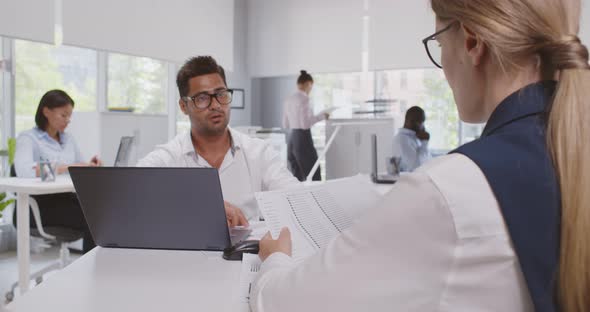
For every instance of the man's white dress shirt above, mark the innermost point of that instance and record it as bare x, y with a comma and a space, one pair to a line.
437, 242
413, 151
250, 165
298, 113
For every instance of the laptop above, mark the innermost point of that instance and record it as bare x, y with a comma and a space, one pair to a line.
375, 176
153, 208
124, 151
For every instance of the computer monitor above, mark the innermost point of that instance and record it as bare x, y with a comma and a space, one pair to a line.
124, 151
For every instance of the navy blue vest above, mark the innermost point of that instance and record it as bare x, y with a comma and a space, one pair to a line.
512, 154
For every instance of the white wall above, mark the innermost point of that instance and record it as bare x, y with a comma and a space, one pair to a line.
289, 35
170, 30
240, 76
585, 23
396, 32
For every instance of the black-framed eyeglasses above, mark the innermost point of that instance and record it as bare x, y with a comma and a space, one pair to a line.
433, 48
203, 100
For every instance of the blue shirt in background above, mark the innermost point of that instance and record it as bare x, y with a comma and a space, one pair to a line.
35, 145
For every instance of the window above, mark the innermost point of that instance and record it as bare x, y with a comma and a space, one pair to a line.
42, 67
137, 83
183, 123
427, 88
404, 80
343, 90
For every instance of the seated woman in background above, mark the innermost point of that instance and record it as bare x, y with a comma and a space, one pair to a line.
48, 142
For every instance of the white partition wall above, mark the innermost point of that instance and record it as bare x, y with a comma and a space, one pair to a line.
100, 133
28, 19
289, 35
148, 130
172, 30
350, 153
85, 128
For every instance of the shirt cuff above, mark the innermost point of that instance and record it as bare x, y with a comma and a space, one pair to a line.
276, 260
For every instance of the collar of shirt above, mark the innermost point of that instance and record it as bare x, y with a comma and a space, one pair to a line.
43, 135
189, 150
301, 93
408, 132
530, 100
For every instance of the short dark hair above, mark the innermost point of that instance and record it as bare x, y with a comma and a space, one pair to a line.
415, 113
194, 67
51, 99
304, 77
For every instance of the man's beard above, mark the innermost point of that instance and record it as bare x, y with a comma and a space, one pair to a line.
215, 130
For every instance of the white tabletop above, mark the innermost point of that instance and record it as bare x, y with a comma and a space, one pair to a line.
35, 186
108, 279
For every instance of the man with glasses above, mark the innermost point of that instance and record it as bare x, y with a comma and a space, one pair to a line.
246, 165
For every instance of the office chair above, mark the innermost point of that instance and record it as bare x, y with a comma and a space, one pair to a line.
53, 235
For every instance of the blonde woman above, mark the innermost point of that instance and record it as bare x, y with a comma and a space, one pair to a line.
485, 228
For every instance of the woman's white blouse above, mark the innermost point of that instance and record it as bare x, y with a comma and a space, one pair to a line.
437, 242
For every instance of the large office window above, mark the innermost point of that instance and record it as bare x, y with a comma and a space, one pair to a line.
429, 89
42, 67
398, 90
183, 123
137, 83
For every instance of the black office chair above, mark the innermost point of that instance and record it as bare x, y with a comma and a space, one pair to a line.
51, 234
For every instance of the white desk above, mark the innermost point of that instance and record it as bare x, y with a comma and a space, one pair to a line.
107, 279
23, 188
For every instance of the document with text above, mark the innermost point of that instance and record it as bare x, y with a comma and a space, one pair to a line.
316, 214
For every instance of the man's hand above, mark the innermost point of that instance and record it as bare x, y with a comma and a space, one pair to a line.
268, 246
235, 216
423, 135
95, 162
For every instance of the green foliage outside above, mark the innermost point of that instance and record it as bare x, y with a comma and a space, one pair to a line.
43, 67
137, 82
439, 104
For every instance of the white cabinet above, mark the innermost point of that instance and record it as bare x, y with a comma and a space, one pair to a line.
350, 152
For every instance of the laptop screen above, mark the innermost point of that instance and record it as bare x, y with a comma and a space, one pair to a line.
122, 159
161, 208
374, 169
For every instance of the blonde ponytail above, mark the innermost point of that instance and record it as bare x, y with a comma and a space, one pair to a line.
521, 30
569, 142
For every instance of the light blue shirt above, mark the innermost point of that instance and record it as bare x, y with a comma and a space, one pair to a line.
413, 151
35, 145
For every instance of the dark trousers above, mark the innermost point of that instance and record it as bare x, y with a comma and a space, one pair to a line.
301, 154
62, 210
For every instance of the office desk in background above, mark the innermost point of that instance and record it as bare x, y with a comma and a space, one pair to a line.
24, 188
